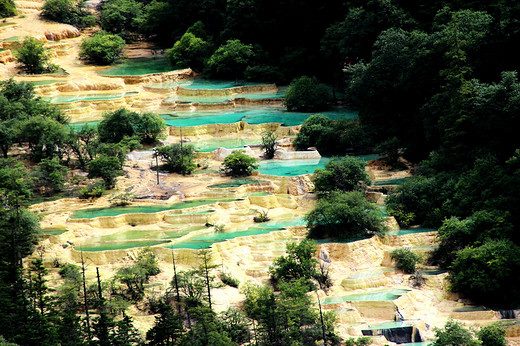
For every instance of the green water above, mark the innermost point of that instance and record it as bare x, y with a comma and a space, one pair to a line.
237, 182
54, 230
114, 211
365, 274
432, 271
291, 168
398, 181
389, 294
207, 145
88, 97
228, 98
258, 194
470, 309
423, 343
201, 83
79, 125
46, 82
387, 325
119, 245
251, 115
139, 66
409, 231
13, 38
204, 241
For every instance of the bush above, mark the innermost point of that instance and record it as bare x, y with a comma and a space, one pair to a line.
264, 73
230, 60
116, 125
492, 336
68, 12
102, 49
306, 94
122, 199
454, 333
93, 190
239, 164
7, 8
405, 260
343, 174
344, 215
106, 168
189, 51
261, 217
269, 143
177, 160
51, 175
121, 16
229, 280
33, 56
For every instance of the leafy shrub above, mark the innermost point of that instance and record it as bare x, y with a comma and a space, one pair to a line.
264, 73
343, 174
269, 143
121, 16
229, 280
106, 168
306, 94
116, 125
189, 51
178, 159
230, 60
492, 336
93, 190
239, 164
102, 49
405, 260
122, 199
262, 216
7, 8
34, 57
68, 12
454, 333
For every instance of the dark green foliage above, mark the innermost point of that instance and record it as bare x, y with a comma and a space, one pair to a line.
306, 94
178, 158
454, 333
15, 182
93, 190
492, 336
405, 260
264, 73
106, 168
190, 51
121, 16
168, 328
299, 264
134, 277
485, 274
343, 174
332, 137
51, 175
230, 60
360, 341
68, 12
229, 280
7, 8
236, 325
102, 48
269, 143
71, 272
44, 136
34, 57
344, 216
239, 164
116, 125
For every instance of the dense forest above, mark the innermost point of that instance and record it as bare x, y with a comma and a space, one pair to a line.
435, 82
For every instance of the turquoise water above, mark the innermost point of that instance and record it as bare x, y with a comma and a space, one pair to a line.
114, 211
88, 97
139, 66
470, 309
432, 271
389, 294
217, 99
204, 241
53, 231
119, 245
409, 231
424, 343
201, 83
79, 125
207, 145
387, 325
251, 115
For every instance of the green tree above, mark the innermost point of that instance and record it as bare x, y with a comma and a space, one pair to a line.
168, 328
121, 16
102, 48
34, 57
179, 158
405, 260
44, 135
454, 333
69, 12
485, 273
306, 94
344, 215
344, 174
7, 8
150, 127
269, 143
230, 60
15, 182
299, 263
116, 125
492, 336
51, 175
239, 163
236, 324
189, 51
106, 168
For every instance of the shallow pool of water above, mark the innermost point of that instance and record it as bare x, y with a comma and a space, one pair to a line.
139, 66
389, 294
46, 82
207, 145
201, 83
88, 97
397, 181
228, 98
119, 245
432, 271
53, 230
114, 211
387, 325
409, 231
251, 115
237, 182
365, 274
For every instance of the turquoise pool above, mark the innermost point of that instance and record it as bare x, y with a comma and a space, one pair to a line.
139, 66
201, 83
89, 97
207, 145
389, 294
